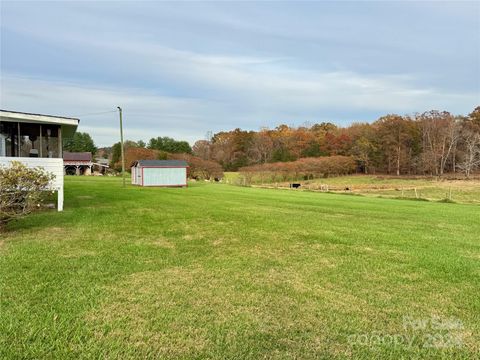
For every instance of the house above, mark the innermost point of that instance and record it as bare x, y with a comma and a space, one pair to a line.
77, 163
159, 173
101, 165
36, 140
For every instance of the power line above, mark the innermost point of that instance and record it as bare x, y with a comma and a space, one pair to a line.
98, 113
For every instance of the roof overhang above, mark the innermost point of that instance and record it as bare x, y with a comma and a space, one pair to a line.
69, 125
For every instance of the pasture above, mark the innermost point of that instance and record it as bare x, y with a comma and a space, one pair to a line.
424, 188
222, 272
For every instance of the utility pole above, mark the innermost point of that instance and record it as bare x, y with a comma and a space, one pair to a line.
121, 145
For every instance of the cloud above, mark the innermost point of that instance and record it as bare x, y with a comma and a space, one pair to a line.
146, 115
254, 100
182, 71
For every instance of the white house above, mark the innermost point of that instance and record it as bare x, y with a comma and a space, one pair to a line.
36, 140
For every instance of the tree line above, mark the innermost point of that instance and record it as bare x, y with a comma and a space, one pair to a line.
430, 143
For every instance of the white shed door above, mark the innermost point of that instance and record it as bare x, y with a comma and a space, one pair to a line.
139, 175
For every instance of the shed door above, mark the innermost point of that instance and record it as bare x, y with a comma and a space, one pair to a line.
139, 176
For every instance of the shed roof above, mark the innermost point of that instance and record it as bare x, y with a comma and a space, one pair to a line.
77, 156
164, 163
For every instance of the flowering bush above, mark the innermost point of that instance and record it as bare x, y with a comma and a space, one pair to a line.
22, 190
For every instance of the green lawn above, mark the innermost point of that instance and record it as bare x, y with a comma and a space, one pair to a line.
218, 271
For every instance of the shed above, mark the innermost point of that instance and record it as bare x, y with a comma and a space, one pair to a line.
159, 173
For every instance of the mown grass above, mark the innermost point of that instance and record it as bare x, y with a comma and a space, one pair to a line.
217, 271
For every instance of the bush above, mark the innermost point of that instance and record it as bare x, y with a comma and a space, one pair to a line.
198, 168
22, 190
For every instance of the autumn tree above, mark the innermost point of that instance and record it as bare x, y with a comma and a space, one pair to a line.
396, 137
202, 149
115, 162
469, 143
282, 144
231, 149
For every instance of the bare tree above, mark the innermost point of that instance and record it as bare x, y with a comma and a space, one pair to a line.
202, 149
262, 147
471, 150
440, 133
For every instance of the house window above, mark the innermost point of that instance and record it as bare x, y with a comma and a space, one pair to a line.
19, 139
29, 140
8, 139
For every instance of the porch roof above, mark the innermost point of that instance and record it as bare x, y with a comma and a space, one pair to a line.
68, 124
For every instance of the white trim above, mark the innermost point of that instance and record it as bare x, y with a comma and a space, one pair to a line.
34, 118
67, 125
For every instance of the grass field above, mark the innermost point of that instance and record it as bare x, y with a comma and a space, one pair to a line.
218, 271
462, 191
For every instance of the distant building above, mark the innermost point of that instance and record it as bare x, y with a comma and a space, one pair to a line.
77, 163
101, 165
160, 173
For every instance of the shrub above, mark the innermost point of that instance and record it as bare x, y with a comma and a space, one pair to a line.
22, 190
198, 168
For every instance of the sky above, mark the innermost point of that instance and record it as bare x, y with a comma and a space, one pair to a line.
182, 69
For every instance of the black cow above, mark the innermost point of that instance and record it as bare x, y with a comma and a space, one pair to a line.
295, 185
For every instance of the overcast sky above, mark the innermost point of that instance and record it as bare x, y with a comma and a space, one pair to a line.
182, 69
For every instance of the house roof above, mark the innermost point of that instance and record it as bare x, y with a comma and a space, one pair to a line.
102, 161
68, 124
77, 156
164, 163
